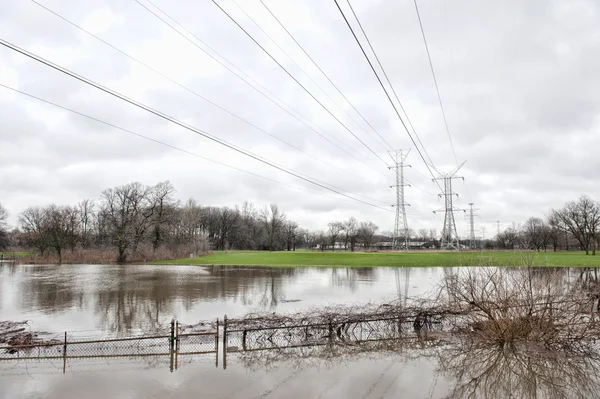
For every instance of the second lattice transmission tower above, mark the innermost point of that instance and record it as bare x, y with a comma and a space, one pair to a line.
449, 233
401, 233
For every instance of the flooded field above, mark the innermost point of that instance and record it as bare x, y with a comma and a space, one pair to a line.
109, 299
364, 355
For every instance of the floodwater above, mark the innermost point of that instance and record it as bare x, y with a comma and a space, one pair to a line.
115, 300
124, 299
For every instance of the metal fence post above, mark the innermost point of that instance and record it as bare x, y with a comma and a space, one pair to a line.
217, 345
244, 339
224, 342
65, 354
171, 344
176, 344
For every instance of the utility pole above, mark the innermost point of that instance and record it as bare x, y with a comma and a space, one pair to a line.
400, 223
498, 227
472, 240
449, 233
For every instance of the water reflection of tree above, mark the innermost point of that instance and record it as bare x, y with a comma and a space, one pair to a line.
483, 370
49, 290
146, 300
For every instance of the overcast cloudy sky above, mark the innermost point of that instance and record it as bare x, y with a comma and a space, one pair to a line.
519, 81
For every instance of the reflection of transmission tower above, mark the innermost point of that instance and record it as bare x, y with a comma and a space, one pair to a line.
449, 233
400, 224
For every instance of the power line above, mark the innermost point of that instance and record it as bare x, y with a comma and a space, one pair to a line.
386, 92
298, 82
245, 79
319, 68
324, 74
437, 89
174, 121
166, 144
187, 88
385, 75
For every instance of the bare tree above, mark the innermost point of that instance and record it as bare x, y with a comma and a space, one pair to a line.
60, 228
86, 215
290, 229
163, 204
32, 224
127, 216
536, 234
509, 238
272, 219
581, 218
351, 233
366, 231
424, 234
334, 230
4, 237
227, 219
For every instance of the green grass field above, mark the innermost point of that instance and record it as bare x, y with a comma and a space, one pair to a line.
412, 259
14, 253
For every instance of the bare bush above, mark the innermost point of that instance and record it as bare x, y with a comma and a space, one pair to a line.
505, 305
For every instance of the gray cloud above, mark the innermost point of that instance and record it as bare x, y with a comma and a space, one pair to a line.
519, 82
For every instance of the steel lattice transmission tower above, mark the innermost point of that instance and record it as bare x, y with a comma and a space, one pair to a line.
449, 233
472, 239
401, 223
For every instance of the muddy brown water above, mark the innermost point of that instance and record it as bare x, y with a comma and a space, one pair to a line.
112, 300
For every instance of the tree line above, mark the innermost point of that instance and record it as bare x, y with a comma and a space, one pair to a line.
136, 221
574, 225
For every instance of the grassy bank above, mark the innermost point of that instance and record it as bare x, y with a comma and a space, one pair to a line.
412, 259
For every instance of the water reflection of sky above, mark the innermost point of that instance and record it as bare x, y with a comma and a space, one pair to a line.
135, 297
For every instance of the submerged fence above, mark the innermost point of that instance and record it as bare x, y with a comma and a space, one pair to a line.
215, 338
331, 329
177, 342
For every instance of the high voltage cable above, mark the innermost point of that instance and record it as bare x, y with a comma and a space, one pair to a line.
303, 71
166, 144
437, 89
389, 82
298, 82
386, 93
246, 77
187, 88
175, 121
385, 75
324, 74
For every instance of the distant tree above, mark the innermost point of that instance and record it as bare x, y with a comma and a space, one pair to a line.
163, 203
127, 213
4, 236
227, 220
32, 223
536, 234
423, 235
289, 230
509, 238
351, 233
581, 218
334, 230
60, 228
272, 219
366, 231
86, 217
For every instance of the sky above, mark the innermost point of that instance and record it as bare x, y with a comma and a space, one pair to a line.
518, 81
